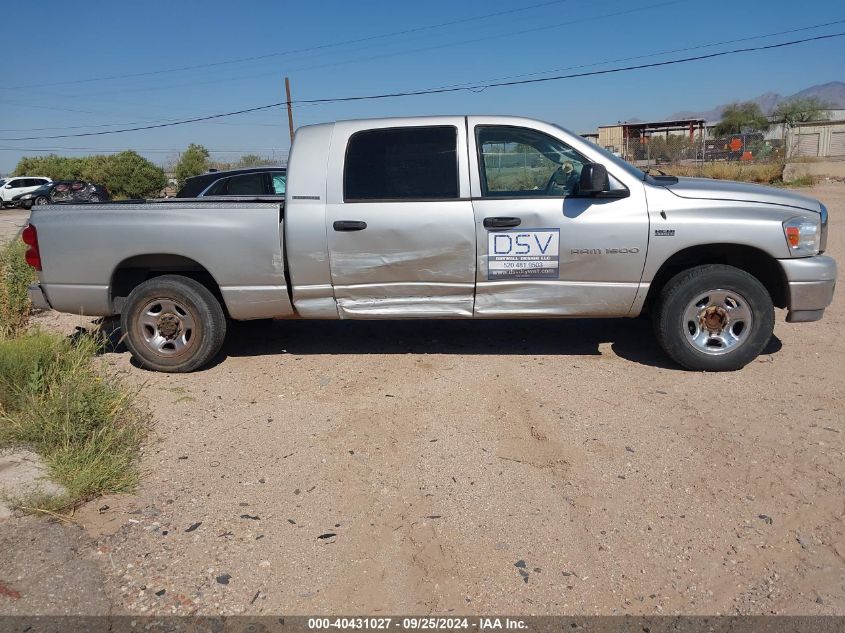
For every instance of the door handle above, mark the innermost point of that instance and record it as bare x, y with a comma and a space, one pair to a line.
501, 223
349, 225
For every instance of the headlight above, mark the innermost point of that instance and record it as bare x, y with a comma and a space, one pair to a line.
26, 196
803, 236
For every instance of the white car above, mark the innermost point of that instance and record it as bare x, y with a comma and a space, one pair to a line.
18, 185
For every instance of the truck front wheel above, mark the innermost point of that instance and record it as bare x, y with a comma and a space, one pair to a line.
714, 318
173, 324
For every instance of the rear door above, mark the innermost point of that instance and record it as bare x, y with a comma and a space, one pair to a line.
400, 223
542, 249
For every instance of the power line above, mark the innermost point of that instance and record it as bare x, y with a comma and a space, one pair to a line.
480, 87
140, 150
152, 127
656, 54
413, 93
297, 50
469, 84
461, 42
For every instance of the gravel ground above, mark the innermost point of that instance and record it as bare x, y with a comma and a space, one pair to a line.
523, 467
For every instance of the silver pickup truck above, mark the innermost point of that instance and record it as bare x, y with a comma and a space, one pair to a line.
445, 217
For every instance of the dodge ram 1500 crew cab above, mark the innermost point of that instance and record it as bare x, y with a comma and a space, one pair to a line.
445, 217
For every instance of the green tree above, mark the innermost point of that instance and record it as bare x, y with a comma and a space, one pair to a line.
193, 162
742, 117
802, 110
51, 166
253, 160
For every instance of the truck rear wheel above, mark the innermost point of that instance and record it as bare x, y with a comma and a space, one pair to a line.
714, 318
173, 324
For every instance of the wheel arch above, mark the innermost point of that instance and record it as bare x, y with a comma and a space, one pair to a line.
752, 260
137, 269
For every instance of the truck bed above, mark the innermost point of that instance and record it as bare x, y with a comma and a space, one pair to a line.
236, 243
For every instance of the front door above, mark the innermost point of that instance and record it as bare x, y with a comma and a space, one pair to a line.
542, 249
401, 229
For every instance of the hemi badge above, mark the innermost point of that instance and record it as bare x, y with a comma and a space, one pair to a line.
664, 232
305, 197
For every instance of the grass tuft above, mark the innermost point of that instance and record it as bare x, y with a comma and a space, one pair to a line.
82, 422
806, 180
15, 277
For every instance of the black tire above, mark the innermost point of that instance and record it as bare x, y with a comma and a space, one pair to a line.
675, 330
39, 201
173, 324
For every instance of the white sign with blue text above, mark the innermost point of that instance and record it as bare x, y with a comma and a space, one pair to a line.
523, 254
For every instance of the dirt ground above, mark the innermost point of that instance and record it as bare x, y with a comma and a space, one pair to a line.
522, 467
11, 222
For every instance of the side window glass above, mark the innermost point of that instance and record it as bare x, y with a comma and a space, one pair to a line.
279, 181
218, 188
411, 163
246, 185
519, 162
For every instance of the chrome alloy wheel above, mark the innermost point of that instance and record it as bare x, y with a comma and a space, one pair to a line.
717, 321
167, 327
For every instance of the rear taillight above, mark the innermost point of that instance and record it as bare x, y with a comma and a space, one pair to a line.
30, 238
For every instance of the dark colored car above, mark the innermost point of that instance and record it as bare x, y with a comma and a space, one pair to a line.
254, 181
63, 191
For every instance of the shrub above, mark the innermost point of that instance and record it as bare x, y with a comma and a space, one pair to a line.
125, 175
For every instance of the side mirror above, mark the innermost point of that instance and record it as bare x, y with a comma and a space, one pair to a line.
593, 180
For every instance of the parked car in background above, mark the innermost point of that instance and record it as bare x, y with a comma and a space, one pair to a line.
254, 181
18, 186
75, 191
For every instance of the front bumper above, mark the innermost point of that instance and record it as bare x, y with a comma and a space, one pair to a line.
36, 295
811, 282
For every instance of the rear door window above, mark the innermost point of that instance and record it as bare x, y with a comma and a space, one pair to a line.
246, 185
410, 163
243, 185
218, 188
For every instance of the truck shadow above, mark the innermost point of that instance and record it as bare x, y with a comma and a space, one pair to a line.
631, 339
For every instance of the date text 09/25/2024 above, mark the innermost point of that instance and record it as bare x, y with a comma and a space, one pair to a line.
419, 623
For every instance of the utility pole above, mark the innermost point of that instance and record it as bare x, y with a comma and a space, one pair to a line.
290, 109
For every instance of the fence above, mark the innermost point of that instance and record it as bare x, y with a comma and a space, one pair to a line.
661, 149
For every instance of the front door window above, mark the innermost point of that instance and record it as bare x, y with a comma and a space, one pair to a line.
519, 162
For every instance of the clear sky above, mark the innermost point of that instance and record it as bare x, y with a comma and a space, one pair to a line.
50, 47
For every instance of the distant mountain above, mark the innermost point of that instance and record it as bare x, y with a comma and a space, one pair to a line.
832, 92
